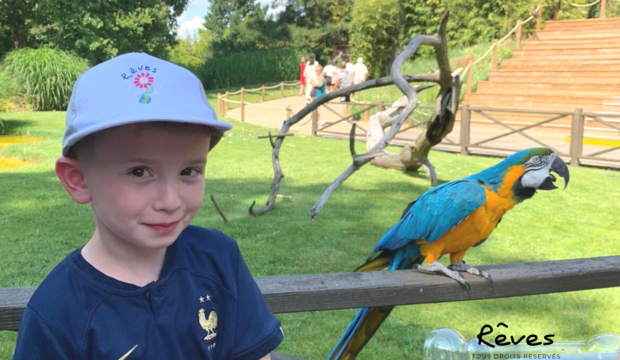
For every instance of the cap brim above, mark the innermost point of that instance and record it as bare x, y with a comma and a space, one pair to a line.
218, 127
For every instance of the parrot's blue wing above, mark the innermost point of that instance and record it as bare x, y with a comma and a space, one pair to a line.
434, 213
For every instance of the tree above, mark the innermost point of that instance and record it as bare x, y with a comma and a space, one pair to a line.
95, 30
14, 15
192, 50
237, 25
376, 29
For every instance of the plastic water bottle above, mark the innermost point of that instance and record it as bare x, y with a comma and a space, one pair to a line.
447, 344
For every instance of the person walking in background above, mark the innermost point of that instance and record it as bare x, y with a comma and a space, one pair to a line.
359, 71
319, 88
338, 58
302, 75
310, 74
349, 65
346, 79
331, 73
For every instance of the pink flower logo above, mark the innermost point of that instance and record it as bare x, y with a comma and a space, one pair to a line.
143, 80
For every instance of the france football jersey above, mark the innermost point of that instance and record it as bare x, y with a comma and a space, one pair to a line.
205, 305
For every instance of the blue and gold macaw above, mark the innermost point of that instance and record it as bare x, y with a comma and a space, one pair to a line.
450, 219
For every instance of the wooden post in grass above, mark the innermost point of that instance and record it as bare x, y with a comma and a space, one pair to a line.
603, 8
539, 18
470, 75
289, 112
226, 103
494, 57
242, 105
367, 112
576, 137
380, 106
281, 89
262, 93
465, 128
315, 121
219, 104
518, 39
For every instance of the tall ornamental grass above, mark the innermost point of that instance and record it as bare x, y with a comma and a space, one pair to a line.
9, 87
250, 68
46, 75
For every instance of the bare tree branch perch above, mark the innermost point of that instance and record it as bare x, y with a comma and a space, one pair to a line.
438, 41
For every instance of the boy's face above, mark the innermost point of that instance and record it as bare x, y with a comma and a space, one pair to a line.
146, 183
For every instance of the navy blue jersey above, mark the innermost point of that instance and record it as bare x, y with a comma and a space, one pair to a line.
205, 305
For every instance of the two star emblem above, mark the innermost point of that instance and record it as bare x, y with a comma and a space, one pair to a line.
203, 299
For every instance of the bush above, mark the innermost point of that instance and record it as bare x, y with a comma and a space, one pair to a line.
9, 86
45, 75
250, 68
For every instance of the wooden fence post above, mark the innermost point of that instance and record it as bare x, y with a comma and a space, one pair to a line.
380, 106
539, 18
576, 137
470, 75
219, 104
367, 112
603, 8
494, 57
465, 128
262, 93
315, 121
289, 112
281, 89
226, 103
518, 36
242, 105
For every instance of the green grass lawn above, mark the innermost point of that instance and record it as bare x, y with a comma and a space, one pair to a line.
40, 224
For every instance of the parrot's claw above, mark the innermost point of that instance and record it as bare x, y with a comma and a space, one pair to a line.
438, 268
462, 267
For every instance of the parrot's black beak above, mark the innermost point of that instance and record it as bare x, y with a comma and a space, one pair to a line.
559, 167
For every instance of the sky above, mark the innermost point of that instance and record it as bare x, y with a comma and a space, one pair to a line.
193, 16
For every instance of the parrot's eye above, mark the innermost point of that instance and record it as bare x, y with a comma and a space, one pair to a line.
536, 159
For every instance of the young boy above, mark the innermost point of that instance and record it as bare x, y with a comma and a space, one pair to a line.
147, 285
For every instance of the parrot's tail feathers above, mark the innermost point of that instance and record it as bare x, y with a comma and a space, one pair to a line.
359, 332
377, 262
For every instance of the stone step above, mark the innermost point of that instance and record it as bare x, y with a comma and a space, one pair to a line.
559, 66
578, 22
488, 87
547, 45
583, 99
557, 63
564, 35
556, 72
581, 29
541, 105
615, 80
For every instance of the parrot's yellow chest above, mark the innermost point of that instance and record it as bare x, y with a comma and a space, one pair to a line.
479, 224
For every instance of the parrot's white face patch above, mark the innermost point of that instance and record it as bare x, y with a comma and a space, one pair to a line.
537, 169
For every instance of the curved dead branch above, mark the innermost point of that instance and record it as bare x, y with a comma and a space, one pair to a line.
438, 41
278, 174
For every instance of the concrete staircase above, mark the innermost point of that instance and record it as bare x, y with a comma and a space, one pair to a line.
571, 64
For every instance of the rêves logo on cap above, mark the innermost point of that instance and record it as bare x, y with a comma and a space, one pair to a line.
143, 80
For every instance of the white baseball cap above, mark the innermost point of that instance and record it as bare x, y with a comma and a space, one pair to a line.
133, 88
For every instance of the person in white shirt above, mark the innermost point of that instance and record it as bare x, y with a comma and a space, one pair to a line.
331, 73
349, 66
360, 70
310, 74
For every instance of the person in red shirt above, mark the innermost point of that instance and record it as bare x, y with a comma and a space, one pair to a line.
302, 77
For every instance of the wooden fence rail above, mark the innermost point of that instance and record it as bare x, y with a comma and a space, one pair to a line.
224, 100
577, 129
300, 293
